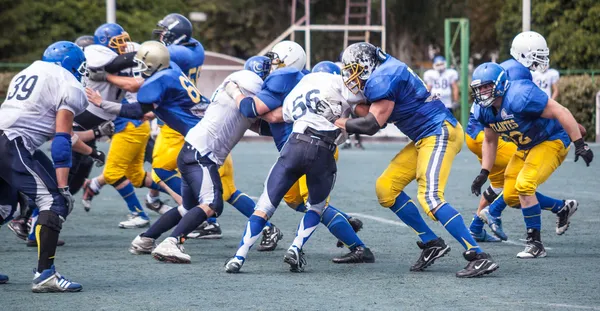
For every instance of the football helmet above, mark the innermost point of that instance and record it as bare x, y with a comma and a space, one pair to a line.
287, 54
67, 55
84, 41
151, 57
530, 49
439, 63
112, 36
488, 74
260, 65
327, 66
173, 29
360, 60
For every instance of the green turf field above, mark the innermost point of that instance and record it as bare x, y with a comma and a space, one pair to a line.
96, 253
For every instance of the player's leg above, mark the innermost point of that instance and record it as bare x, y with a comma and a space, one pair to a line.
541, 161
434, 161
9, 199
164, 159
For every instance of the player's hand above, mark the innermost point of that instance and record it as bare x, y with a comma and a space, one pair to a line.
98, 156
149, 116
330, 110
104, 129
479, 182
93, 96
582, 150
69, 200
232, 89
97, 74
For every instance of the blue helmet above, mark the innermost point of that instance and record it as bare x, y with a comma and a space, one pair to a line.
68, 55
327, 66
489, 74
260, 65
173, 29
439, 63
112, 36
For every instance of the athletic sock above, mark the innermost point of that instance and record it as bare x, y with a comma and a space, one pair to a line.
242, 203
95, 186
189, 222
171, 178
47, 242
167, 221
301, 208
476, 225
454, 223
339, 226
151, 199
548, 203
307, 226
407, 211
134, 205
253, 230
211, 220
498, 206
532, 216
34, 220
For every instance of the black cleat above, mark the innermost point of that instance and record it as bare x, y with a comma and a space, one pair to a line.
479, 264
295, 259
563, 217
432, 250
356, 224
534, 247
208, 231
359, 254
19, 227
271, 236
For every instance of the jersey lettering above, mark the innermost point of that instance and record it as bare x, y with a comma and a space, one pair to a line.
191, 89
194, 74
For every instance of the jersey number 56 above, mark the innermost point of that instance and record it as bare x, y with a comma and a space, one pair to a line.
303, 103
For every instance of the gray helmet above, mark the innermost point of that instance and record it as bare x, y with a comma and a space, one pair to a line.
360, 60
151, 57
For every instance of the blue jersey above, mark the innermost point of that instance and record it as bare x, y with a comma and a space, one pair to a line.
519, 118
515, 71
177, 101
189, 57
274, 90
416, 117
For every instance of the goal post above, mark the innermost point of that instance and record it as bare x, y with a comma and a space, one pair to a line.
462, 34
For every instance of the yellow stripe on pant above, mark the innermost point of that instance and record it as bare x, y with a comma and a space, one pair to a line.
504, 153
126, 155
429, 161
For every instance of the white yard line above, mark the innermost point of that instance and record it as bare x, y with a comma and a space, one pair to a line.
379, 219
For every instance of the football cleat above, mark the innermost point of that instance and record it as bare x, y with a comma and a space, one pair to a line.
3, 278
207, 231
271, 235
485, 237
158, 206
50, 281
359, 254
356, 224
234, 264
33, 243
295, 259
171, 251
534, 247
563, 217
134, 221
88, 195
142, 245
432, 250
479, 264
19, 227
495, 223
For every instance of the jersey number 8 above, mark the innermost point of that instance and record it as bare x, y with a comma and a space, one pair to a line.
23, 88
191, 89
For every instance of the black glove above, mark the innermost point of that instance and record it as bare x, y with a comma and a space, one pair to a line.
69, 200
97, 74
105, 129
98, 156
582, 150
479, 181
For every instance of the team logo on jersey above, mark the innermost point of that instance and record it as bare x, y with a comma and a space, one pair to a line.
505, 115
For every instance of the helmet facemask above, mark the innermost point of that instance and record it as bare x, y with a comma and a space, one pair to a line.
120, 43
276, 62
540, 60
483, 93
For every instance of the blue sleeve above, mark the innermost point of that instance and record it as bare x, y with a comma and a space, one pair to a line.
478, 115
132, 111
378, 88
151, 92
61, 150
533, 101
180, 55
271, 99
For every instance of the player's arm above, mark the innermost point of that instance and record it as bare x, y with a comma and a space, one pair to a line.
489, 149
455, 92
253, 106
555, 90
129, 84
131, 110
377, 116
61, 146
273, 116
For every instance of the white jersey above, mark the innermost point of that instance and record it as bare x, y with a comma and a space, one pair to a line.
34, 97
97, 56
300, 106
546, 80
223, 125
441, 84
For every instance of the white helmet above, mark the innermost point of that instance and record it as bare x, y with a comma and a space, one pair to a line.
287, 54
530, 49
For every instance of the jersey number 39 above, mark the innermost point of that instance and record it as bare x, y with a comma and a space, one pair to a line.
23, 88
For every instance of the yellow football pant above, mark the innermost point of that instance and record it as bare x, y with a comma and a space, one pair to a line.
126, 155
503, 155
428, 161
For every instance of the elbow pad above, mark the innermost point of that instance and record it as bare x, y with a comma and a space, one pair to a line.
363, 125
61, 150
248, 107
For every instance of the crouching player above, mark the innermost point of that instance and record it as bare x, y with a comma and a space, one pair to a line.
41, 103
541, 128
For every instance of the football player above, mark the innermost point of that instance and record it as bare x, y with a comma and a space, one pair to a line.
443, 82
540, 127
547, 81
51, 88
397, 95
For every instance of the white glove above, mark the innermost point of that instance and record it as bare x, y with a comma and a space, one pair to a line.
232, 89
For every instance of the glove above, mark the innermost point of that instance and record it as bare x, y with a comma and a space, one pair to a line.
97, 74
104, 129
330, 110
98, 156
232, 89
582, 150
479, 181
69, 200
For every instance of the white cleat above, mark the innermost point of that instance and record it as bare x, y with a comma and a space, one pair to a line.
134, 221
50, 281
142, 245
158, 206
234, 265
171, 251
563, 217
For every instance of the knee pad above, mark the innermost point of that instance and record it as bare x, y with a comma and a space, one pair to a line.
385, 192
318, 208
50, 219
490, 195
264, 205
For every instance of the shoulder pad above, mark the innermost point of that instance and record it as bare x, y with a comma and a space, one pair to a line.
249, 82
378, 87
283, 80
97, 56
